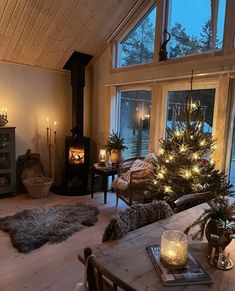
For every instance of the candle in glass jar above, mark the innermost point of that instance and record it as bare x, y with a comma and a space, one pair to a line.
102, 155
174, 248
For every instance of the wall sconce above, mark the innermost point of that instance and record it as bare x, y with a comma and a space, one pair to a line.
174, 248
102, 156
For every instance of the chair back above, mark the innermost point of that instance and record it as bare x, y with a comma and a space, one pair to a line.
99, 278
190, 200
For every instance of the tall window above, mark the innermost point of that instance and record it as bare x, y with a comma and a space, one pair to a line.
195, 26
138, 46
134, 121
204, 97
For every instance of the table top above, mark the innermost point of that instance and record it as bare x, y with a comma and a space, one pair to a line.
128, 258
105, 170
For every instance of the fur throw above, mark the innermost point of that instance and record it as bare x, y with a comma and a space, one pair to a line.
134, 217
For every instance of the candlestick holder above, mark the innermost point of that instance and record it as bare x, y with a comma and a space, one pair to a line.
51, 144
3, 119
220, 260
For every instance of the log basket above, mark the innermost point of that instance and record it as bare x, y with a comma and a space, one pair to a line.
38, 186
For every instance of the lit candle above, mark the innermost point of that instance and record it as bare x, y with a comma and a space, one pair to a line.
47, 120
55, 122
174, 248
102, 156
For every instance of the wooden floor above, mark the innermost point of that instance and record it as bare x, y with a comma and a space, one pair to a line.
53, 266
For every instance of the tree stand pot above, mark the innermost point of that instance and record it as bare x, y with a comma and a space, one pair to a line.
223, 238
116, 156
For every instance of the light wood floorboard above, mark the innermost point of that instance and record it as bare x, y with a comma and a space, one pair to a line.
54, 266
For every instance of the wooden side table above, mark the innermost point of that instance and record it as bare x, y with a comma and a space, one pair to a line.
104, 173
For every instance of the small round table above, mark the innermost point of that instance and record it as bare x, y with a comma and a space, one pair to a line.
104, 172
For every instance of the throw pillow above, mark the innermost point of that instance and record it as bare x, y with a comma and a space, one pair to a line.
134, 217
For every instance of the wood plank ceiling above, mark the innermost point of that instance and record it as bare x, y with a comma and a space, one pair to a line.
44, 33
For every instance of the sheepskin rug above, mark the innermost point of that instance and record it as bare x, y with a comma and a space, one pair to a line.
31, 229
134, 217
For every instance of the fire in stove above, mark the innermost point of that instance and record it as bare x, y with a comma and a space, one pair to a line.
76, 155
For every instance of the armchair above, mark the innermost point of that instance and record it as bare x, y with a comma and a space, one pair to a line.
133, 178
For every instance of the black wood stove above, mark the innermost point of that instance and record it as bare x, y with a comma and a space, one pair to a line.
77, 145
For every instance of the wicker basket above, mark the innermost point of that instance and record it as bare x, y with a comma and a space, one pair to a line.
38, 186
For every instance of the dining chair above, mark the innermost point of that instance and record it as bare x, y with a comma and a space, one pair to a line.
98, 277
189, 200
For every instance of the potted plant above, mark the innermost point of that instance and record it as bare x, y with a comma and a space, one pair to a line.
216, 222
115, 145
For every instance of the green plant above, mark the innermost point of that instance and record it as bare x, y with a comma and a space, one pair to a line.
220, 210
115, 142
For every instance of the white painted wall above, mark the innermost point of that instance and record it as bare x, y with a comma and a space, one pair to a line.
31, 95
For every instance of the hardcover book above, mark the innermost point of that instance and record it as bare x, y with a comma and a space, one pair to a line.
192, 273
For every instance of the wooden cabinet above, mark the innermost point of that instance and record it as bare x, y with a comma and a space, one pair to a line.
7, 160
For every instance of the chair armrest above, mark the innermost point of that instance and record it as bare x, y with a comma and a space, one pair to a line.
193, 199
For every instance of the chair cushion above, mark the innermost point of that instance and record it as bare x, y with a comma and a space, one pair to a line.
137, 165
134, 217
120, 183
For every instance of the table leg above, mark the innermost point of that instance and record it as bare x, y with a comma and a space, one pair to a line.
113, 176
105, 185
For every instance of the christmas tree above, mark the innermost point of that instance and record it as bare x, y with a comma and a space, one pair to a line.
184, 162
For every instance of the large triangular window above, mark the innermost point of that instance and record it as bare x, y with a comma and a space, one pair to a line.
138, 46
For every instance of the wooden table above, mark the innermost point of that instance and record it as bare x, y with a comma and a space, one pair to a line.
128, 259
104, 173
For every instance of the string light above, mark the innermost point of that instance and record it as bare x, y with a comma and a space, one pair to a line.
187, 174
160, 175
202, 143
155, 182
183, 148
171, 157
214, 147
177, 133
162, 170
196, 169
195, 156
167, 189
161, 151
191, 136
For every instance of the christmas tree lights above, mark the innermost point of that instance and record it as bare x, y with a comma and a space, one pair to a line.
184, 161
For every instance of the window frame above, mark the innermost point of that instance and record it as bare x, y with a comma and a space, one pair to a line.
136, 87
162, 6
213, 18
212, 83
127, 29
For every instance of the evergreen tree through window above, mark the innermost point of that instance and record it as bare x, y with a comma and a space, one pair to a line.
138, 46
195, 26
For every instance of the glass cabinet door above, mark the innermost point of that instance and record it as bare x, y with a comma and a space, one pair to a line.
7, 160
